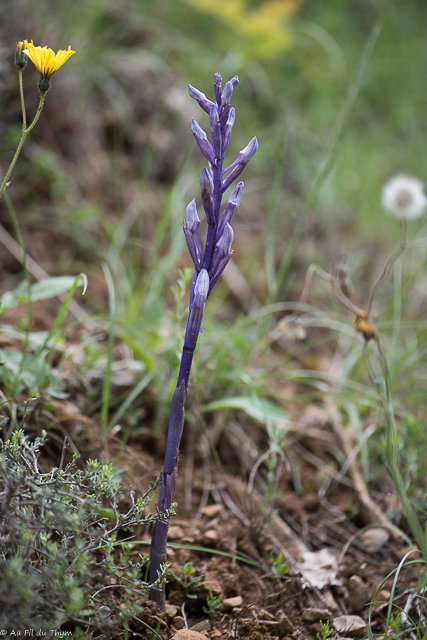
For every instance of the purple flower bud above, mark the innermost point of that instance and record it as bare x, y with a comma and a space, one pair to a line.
191, 217
202, 284
225, 241
227, 128
201, 290
192, 247
240, 163
201, 98
216, 132
203, 142
223, 248
236, 195
249, 151
228, 90
233, 202
217, 87
215, 276
206, 183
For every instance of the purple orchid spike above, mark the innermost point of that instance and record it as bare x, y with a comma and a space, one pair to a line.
209, 264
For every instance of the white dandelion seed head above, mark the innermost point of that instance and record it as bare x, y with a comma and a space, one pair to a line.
403, 197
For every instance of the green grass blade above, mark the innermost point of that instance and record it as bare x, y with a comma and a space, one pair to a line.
107, 379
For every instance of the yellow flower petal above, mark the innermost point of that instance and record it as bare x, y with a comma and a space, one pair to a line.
46, 61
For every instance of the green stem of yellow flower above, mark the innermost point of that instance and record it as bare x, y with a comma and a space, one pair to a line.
25, 132
21, 93
18, 234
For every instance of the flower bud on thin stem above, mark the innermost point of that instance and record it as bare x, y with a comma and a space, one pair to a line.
191, 232
207, 190
191, 216
227, 129
21, 58
240, 163
233, 202
202, 140
228, 90
216, 276
192, 247
194, 325
225, 241
201, 99
217, 87
216, 133
223, 247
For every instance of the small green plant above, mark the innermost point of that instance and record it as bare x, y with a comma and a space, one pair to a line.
188, 583
279, 567
213, 604
326, 632
59, 553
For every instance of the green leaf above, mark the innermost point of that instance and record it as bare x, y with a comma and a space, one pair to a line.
48, 288
262, 410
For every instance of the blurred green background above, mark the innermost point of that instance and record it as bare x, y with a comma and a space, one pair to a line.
118, 115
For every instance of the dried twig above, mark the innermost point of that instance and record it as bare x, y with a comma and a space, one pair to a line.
373, 511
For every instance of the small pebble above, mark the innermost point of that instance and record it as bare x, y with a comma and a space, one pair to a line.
211, 535
338, 590
188, 634
314, 615
175, 532
375, 538
212, 585
229, 603
381, 600
179, 622
353, 624
330, 600
212, 510
170, 610
357, 594
204, 625
285, 625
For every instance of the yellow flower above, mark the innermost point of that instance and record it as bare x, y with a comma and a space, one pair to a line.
47, 62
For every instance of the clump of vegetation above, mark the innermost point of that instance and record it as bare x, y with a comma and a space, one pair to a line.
213, 604
187, 582
59, 544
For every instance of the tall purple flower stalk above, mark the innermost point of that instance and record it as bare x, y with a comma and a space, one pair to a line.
208, 267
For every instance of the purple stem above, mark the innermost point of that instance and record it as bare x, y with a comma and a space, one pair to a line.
176, 425
211, 238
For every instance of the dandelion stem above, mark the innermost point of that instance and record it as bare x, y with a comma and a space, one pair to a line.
387, 267
392, 452
21, 93
24, 134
